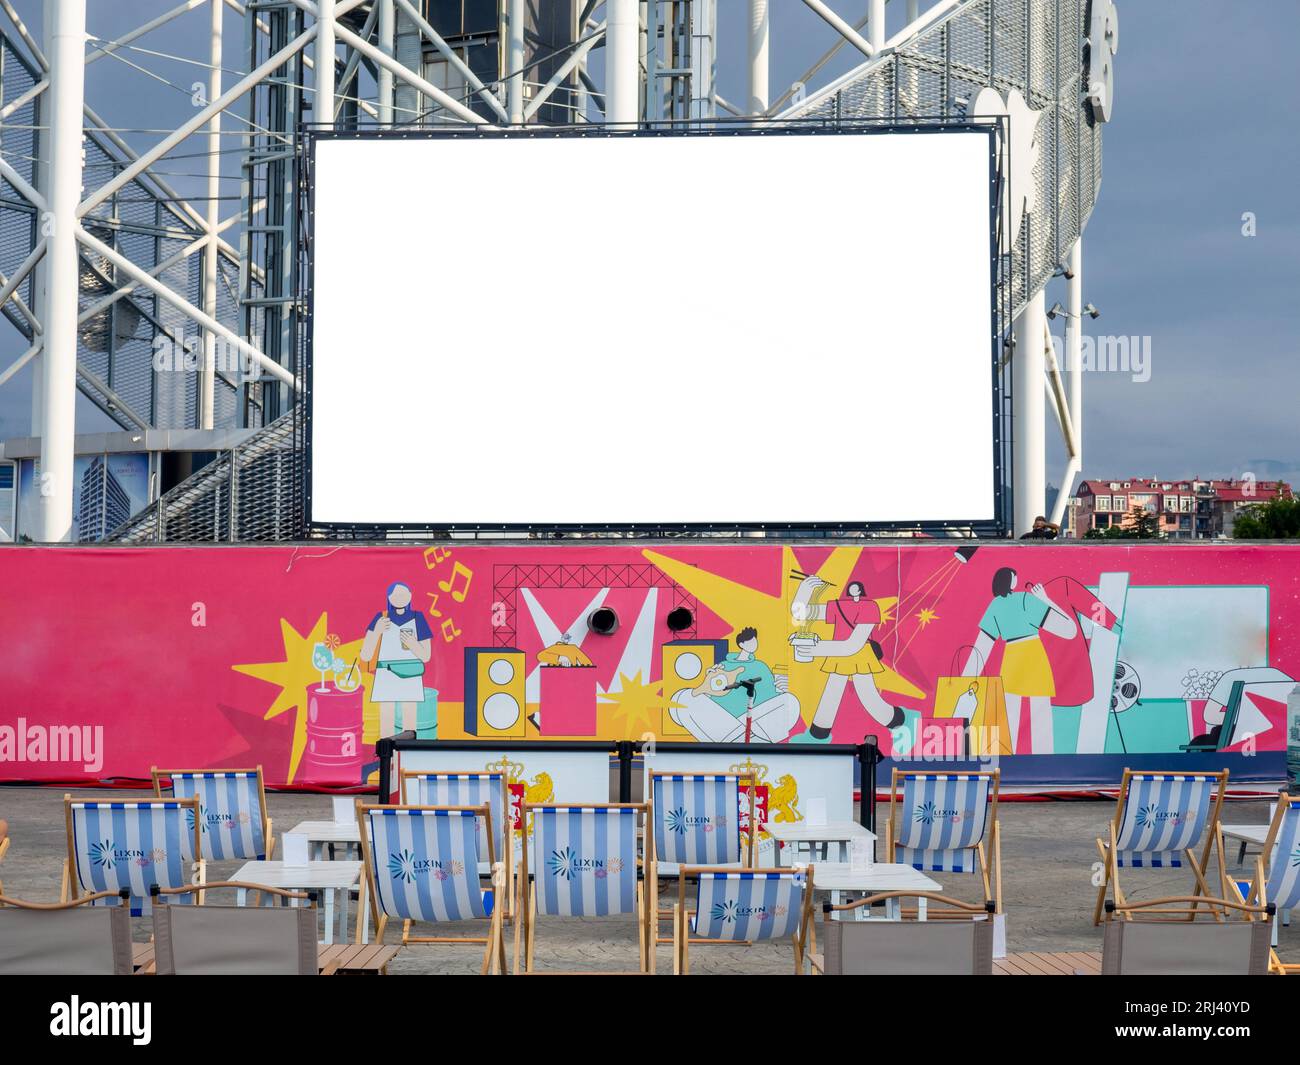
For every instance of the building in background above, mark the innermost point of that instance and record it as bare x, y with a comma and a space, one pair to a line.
1190, 509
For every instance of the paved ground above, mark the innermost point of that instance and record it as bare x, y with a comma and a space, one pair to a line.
1048, 857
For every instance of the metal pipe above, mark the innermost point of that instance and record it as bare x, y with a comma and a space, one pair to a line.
141, 30
759, 40
844, 29
876, 26
1028, 450
449, 54
67, 43
322, 111
515, 61
23, 270
622, 62
208, 380
387, 45
565, 69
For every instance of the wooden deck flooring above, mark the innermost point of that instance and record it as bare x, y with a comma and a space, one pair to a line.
1071, 963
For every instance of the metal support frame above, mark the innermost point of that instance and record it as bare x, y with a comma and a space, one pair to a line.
341, 57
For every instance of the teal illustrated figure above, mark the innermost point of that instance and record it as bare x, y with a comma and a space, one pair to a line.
736, 694
399, 643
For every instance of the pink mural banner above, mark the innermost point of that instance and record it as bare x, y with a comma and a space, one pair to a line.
299, 659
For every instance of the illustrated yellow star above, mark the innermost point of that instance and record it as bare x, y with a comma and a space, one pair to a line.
634, 709
926, 615
295, 674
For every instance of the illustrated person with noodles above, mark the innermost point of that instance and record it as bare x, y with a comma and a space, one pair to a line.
851, 657
1018, 618
399, 643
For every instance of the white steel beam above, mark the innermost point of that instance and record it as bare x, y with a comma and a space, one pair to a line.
622, 63
208, 378
67, 43
843, 28
565, 69
448, 53
1028, 363
760, 34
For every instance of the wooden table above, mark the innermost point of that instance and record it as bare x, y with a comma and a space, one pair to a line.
1246, 835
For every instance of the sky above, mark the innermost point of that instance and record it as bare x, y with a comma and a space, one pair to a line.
1205, 130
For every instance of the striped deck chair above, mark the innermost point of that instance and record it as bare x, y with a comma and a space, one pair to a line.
1160, 947
1159, 819
470, 788
1278, 883
741, 906
422, 864
695, 819
233, 819
90, 936
943, 821
133, 846
583, 863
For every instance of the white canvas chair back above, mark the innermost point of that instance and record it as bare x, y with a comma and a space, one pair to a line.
132, 846
943, 820
696, 819
1182, 948
465, 789
425, 863
744, 906
584, 860
1163, 815
1283, 884
234, 940
73, 941
908, 948
232, 822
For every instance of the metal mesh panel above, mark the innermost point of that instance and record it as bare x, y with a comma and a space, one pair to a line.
1029, 45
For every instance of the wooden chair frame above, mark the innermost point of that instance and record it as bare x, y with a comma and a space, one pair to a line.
70, 888
509, 857
158, 774
494, 950
990, 862
5, 840
1213, 839
805, 939
748, 846
525, 927
954, 909
1259, 886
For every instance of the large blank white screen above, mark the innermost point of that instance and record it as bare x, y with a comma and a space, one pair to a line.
661, 329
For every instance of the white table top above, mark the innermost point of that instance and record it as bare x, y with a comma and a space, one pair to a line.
1247, 833
312, 876
328, 831
879, 876
803, 832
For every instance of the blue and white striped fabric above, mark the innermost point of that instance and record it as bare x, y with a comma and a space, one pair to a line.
425, 864
748, 906
466, 789
1283, 886
943, 820
697, 819
584, 860
131, 845
230, 814
1164, 814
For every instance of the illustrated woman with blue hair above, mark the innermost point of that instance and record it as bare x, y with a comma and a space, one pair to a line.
400, 643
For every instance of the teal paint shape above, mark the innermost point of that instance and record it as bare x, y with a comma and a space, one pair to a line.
426, 717
1152, 726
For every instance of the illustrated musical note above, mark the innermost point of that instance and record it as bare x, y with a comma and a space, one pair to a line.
450, 585
433, 556
449, 630
433, 604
